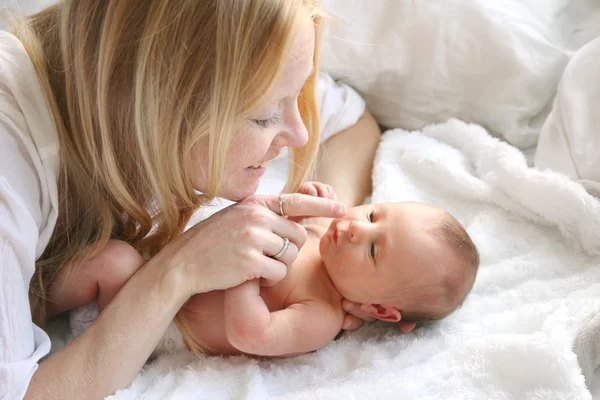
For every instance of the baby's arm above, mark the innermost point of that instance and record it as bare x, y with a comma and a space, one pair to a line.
101, 277
300, 328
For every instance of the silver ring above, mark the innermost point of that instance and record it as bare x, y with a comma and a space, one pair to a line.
286, 244
280, 200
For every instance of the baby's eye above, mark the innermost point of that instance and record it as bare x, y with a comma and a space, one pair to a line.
371, 216
372, 250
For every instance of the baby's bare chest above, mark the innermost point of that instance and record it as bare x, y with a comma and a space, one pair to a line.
306, 280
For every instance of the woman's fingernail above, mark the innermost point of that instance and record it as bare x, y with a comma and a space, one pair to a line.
341, 209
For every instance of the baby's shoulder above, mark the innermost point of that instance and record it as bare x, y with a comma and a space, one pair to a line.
316, 286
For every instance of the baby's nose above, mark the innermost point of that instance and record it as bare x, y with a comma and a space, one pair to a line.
356, 231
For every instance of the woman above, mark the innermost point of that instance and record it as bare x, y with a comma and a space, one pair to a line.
113, 114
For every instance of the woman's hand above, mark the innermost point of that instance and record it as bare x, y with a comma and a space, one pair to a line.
237, 244
355, 317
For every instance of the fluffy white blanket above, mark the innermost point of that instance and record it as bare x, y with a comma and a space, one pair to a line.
539, 238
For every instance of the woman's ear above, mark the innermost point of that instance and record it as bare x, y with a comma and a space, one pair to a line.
382, 312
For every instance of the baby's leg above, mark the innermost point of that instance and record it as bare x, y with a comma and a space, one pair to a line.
116, 266
100, 277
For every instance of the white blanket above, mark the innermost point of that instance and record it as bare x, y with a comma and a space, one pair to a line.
539, 238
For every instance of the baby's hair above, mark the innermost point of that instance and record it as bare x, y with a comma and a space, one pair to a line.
460, 241
461, 244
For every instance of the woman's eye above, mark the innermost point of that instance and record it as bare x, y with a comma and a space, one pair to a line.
372, 250
266, 123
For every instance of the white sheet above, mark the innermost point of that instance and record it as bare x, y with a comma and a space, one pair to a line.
511, 339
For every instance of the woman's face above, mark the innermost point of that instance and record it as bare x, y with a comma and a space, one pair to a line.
277, 124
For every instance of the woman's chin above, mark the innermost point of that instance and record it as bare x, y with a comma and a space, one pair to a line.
241, 191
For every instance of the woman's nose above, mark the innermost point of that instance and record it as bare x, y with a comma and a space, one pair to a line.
295, 134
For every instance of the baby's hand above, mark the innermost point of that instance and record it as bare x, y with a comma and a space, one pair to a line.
317, 189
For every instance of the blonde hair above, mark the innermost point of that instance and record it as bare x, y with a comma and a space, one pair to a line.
133, 86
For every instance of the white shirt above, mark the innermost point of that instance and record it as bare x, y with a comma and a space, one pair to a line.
28, 209
29, 162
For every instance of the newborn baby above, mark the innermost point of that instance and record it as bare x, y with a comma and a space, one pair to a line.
405, 261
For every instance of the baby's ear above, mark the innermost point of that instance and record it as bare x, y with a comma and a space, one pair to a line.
382, 312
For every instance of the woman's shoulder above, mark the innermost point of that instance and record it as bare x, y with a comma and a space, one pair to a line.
20, 87
10, 43
29, 148
13, 55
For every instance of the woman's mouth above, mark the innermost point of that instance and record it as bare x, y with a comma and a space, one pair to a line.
262, 164
255, 171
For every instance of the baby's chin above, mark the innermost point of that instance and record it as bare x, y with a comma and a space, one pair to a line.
325, 244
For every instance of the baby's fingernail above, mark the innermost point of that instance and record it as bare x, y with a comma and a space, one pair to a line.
350, 307
346, 325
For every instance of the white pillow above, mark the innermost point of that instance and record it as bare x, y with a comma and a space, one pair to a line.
494, 63
570, 139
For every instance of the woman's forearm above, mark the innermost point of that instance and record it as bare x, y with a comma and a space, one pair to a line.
346, 160
107, 356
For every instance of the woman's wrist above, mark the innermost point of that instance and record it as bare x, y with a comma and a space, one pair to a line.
108, 355
167, 278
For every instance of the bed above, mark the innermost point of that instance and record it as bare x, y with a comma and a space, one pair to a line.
463, 89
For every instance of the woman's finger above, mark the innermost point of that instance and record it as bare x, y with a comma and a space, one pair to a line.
280, 250
406, 327
271, 270
351, 322
354, 309
348, 306
301, 205
285, 228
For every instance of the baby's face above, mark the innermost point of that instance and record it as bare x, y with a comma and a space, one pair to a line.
376, 249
